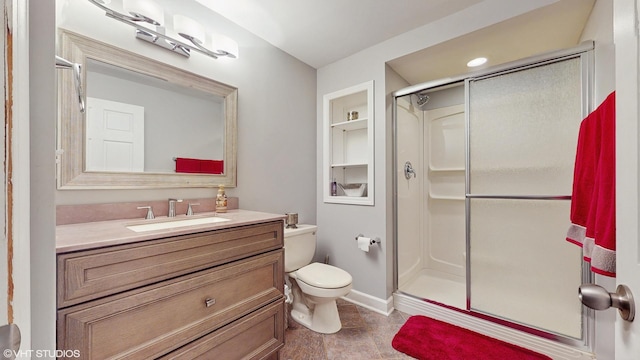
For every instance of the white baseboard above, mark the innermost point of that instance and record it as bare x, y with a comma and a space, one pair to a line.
384, 307
555, 350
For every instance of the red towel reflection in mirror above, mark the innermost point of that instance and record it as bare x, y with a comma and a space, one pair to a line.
199, 166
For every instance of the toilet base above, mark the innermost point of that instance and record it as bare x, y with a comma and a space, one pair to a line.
323, 319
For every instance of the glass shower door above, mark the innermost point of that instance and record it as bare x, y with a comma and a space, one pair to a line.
521, 150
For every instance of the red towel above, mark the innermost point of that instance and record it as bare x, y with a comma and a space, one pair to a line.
211, 166
593, 217
199, 166
186, 165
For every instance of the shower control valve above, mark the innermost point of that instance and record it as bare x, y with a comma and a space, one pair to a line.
408, 170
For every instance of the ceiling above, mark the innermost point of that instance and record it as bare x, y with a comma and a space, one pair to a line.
553, 27
321, 32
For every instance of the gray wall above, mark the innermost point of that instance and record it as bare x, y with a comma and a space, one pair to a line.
276, 113
338, 224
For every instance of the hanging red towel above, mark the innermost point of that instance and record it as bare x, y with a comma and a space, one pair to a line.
593, 217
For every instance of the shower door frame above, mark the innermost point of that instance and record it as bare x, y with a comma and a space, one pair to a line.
585, 52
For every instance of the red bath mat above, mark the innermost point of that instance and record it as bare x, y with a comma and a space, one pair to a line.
429, 339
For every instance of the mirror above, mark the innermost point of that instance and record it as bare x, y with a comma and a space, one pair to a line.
174, 120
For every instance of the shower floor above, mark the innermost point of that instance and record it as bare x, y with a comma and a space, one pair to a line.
450, 290
440, 287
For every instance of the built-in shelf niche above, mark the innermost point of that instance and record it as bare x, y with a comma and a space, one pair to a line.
348, 143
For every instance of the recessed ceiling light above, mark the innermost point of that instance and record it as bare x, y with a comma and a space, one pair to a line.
477, 62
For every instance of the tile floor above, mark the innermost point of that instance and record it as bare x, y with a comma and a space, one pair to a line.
365, 334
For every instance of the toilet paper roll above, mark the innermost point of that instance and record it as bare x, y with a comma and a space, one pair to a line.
364, 243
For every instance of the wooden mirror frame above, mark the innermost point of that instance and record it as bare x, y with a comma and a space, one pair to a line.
71, 138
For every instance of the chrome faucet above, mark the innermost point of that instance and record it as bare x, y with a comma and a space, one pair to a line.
172, 207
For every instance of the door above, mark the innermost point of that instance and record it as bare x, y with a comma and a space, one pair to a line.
627, 179
521, 152
115, 136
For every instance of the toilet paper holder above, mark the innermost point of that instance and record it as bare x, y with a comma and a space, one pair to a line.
371, 242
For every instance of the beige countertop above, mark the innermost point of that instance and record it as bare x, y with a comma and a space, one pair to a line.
98, 234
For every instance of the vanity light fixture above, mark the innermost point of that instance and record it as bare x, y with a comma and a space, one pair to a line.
62, 63
147, 18
477, 62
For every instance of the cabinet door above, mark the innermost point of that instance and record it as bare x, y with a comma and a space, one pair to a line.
348, 145
151, 321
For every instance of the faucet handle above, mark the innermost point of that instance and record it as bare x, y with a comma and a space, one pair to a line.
149, 212
190, 210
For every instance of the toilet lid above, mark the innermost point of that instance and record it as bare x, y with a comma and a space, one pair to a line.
324, 276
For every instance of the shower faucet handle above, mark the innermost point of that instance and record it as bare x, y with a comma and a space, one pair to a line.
408, 170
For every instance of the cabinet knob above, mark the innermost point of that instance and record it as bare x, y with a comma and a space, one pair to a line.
209, 302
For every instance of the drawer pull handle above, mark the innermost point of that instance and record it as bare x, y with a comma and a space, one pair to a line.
209, 302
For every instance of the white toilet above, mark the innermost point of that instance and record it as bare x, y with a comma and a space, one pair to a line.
315, 286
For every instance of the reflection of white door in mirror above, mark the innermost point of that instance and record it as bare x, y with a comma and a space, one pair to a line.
115, 136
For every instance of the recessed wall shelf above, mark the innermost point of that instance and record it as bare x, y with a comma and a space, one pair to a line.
348, 143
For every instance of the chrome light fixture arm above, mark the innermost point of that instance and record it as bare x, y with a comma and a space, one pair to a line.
62, 63
158, 38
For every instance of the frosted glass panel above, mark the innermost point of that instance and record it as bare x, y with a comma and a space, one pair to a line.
522, 269
523, 130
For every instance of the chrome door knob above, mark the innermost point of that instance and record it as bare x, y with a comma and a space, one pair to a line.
598, 298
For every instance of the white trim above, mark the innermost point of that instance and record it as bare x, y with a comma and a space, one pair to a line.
19, 25
384, 307
557, 351
4, 313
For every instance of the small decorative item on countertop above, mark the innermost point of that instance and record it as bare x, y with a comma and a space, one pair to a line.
221, 200
352, 115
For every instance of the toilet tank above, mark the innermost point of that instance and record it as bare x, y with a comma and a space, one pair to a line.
299, 246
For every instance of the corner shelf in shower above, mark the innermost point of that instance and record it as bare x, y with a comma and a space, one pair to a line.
348, 144
445, 169
445, 197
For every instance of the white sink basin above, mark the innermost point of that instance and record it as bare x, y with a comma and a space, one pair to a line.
170, 224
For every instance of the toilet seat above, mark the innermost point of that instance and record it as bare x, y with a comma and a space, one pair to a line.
323, 276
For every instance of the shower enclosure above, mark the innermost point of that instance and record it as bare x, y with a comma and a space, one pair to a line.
484, 168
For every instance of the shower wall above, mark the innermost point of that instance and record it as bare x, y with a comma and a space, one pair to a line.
431, 208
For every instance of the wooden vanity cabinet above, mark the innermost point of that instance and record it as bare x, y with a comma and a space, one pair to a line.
162, 299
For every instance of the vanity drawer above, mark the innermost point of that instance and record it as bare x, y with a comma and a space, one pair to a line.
156, 319
255, 336
88, 275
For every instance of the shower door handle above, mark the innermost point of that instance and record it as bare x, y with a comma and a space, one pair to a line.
598, 298
408, 170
